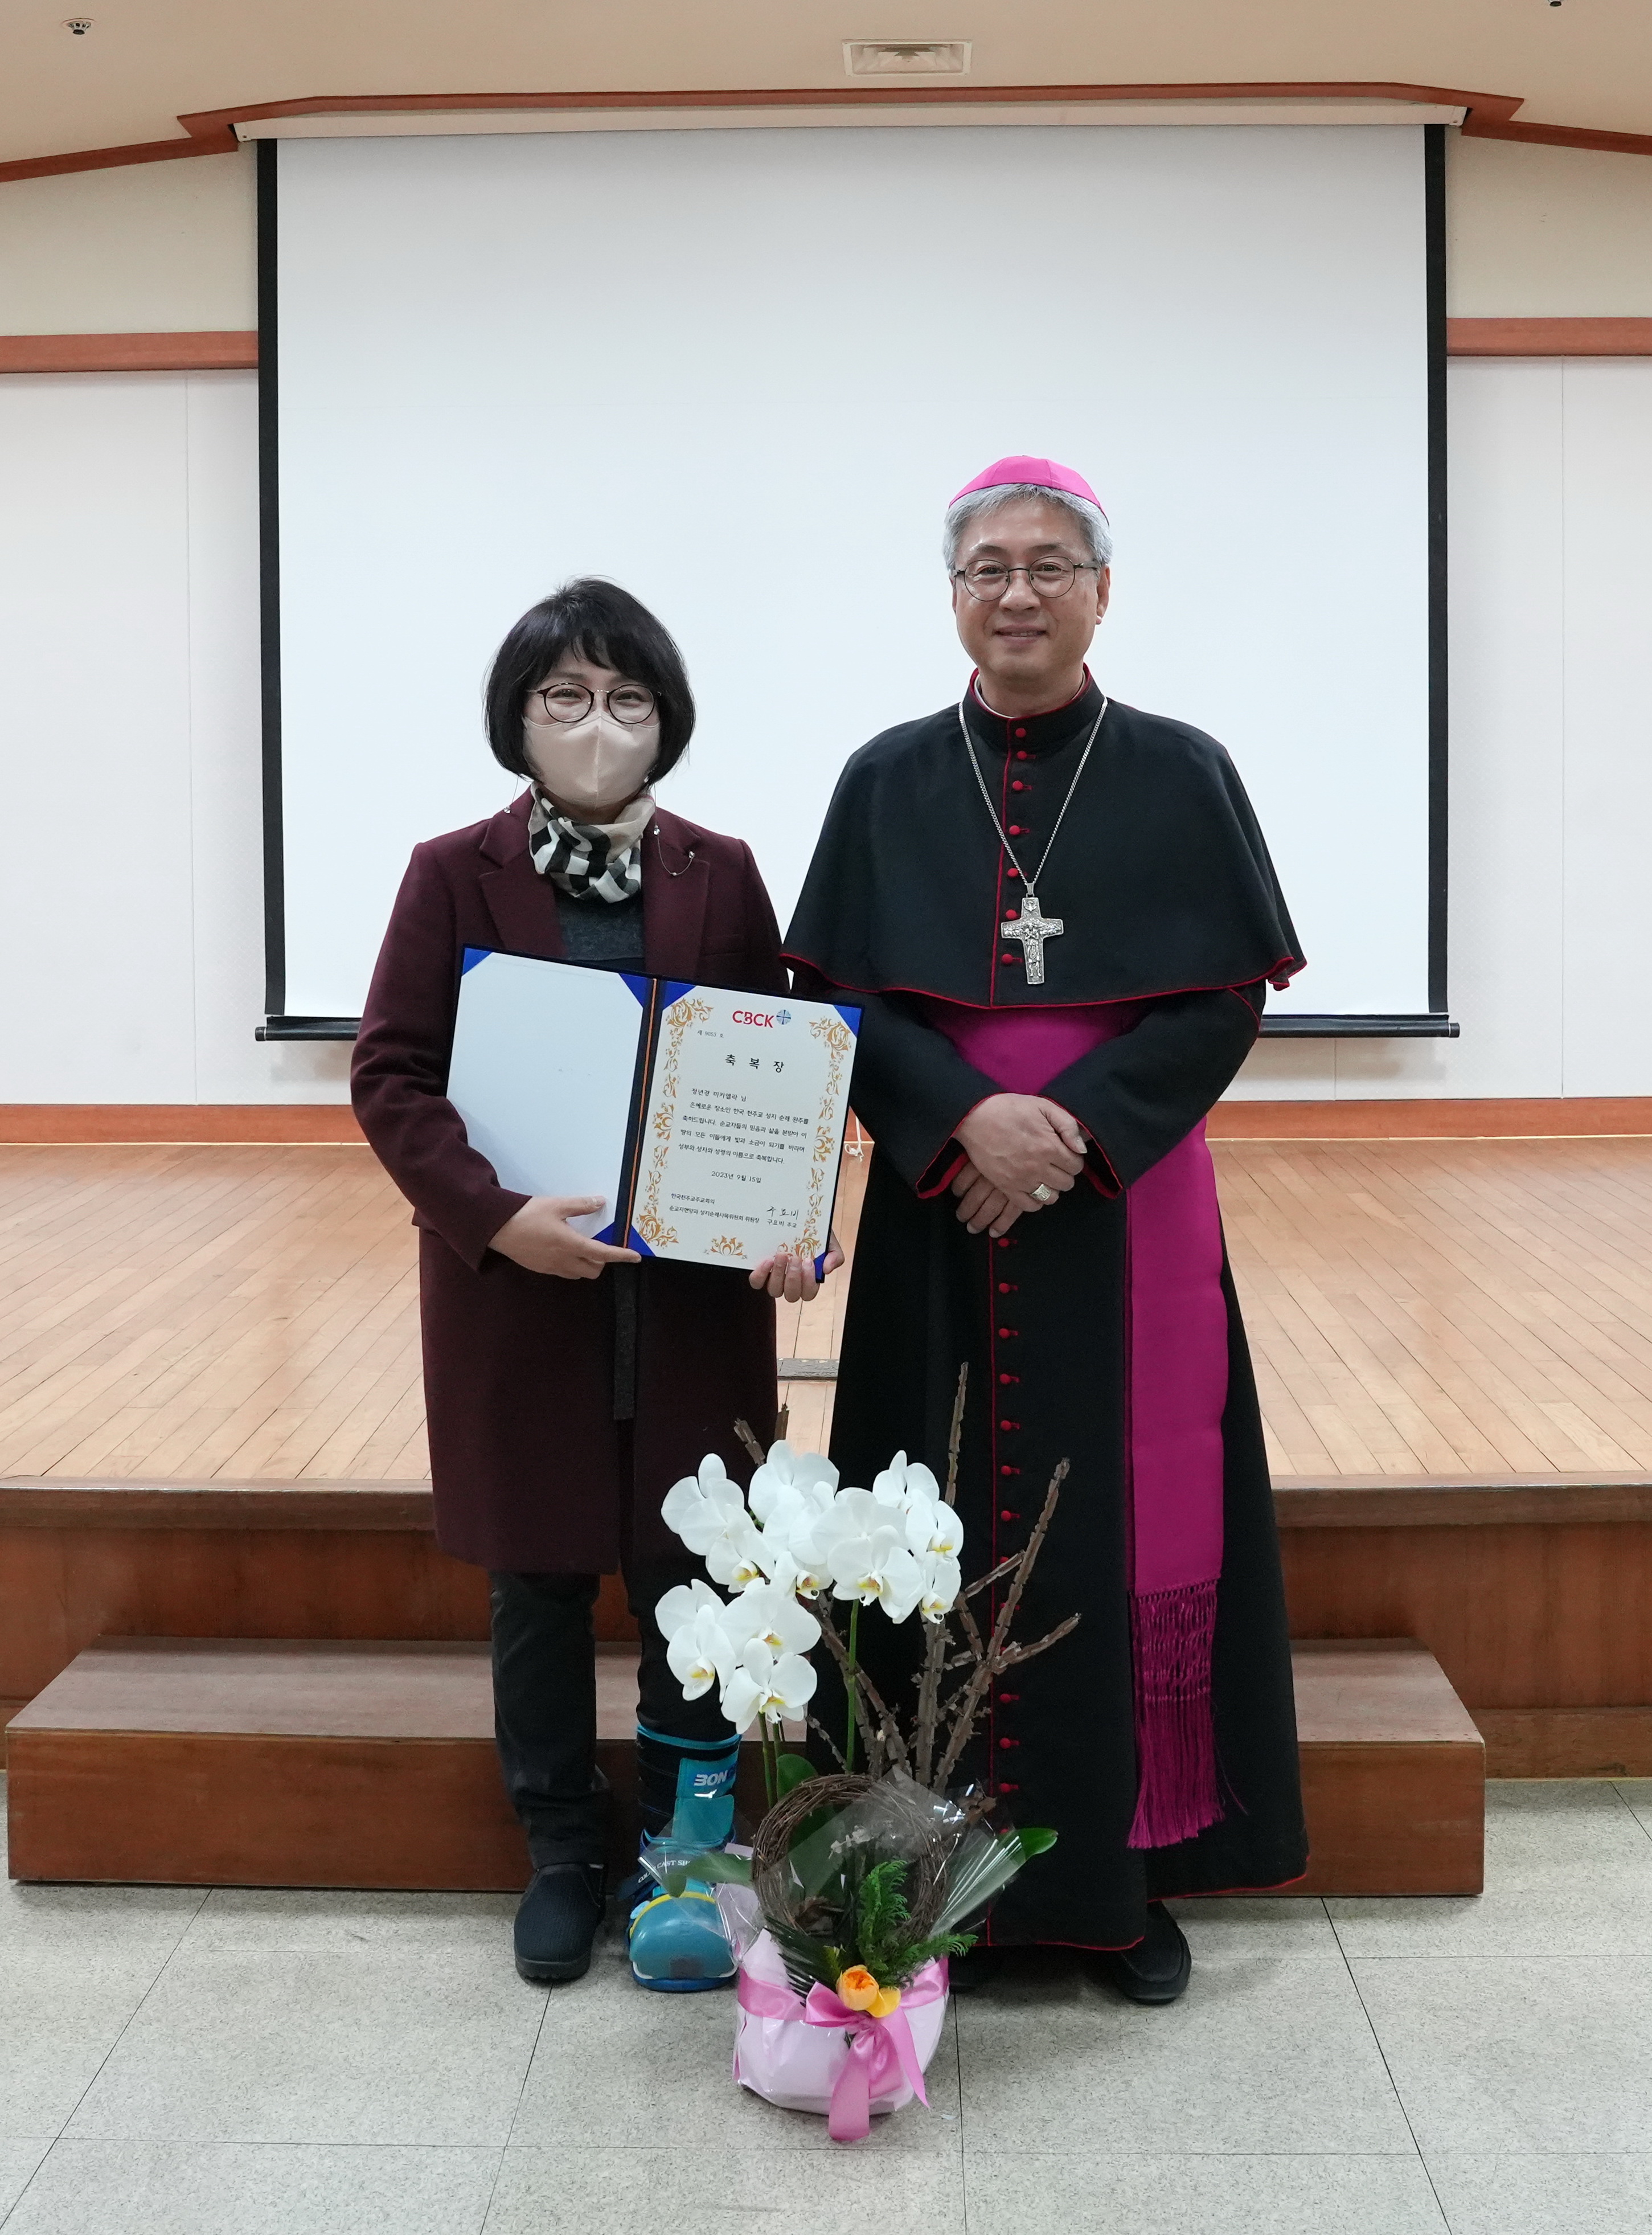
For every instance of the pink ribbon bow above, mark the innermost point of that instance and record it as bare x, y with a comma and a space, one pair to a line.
880, 2050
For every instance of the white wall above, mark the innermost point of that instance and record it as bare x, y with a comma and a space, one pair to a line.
153, 248
131, 962
166, 247
131, 965
1551, 749
131, 927
1546, 232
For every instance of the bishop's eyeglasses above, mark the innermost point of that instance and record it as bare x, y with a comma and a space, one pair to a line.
570, 702
988, 578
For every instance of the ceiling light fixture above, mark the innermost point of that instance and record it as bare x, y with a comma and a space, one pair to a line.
906, 57
77, 25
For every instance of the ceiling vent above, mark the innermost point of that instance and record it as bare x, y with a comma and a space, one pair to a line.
906, 57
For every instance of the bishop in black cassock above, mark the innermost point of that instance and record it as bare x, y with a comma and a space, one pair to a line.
1041, 1041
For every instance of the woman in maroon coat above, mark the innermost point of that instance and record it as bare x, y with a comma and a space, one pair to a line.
568, 1385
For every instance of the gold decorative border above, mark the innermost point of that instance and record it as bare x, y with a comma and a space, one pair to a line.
688, 1010
839, 1043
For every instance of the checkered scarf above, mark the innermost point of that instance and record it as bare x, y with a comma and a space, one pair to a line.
589, 860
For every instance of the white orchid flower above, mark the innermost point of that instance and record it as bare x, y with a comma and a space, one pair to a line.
680, 1606
701, 1507
700, 1653
934, 1526
813, 1478
889, 1488
791, 1553
878, 1567
775, 1685
904, 1478
853, 1513
771, 1612
735, 1555
942, 1580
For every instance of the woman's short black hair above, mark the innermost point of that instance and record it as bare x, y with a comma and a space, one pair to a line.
600, 622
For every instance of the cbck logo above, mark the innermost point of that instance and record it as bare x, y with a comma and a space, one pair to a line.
756, 1017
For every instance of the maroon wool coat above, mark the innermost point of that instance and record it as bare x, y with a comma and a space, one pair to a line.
531, 1472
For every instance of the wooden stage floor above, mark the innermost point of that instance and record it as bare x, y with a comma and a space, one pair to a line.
250, 1313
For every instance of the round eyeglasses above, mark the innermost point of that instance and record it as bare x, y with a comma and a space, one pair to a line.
988, 578
570, 702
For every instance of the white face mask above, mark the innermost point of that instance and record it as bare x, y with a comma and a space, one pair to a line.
598, 763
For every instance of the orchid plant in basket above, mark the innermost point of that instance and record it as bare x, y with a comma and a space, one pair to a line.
862, 1884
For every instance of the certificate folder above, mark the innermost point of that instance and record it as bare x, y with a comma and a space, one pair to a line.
711, 1122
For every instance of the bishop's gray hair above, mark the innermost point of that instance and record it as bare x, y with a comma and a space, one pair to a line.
1090, 517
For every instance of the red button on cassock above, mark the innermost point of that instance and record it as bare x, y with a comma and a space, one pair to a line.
1017, 785
1015, 830
1006, 1333
1004, 1514
1006, 958
1021, 733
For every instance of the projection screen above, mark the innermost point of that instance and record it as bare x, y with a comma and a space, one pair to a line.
742, 371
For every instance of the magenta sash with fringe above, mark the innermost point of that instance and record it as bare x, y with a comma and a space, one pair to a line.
1175, 1388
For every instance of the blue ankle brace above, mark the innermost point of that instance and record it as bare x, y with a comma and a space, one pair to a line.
703, 1812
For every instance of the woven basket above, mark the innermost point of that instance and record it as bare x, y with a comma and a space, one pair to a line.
927, 1847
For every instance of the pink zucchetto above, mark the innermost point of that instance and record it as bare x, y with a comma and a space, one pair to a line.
1033, 472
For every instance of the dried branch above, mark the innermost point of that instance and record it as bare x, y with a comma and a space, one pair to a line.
783, 1421
923, 1736
993, 1662
1014, 1654
967, 1623
893, 1739
984, 1583
1028, 1561
742, 1429
935, 1644
954, 1439
877, 1725
831, 1745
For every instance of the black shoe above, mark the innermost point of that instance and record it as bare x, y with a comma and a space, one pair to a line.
1158, 1968
557, 1922
972, 1974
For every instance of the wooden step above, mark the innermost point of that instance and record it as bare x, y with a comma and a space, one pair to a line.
1394, 1770
238, 1762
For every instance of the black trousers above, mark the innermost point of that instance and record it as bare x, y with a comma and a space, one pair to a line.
545, 1705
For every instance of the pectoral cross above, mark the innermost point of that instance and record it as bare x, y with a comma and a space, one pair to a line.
1032, 928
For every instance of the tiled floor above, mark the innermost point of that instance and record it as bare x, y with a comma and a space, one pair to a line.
246, 2063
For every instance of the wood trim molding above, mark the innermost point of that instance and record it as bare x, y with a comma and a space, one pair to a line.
52, 1501
1303, 1502
265, 1124
1548, 336
1577, 1117
238, 351
196, 352
1462, 1501
333, 1123
212, 131
1566, 1741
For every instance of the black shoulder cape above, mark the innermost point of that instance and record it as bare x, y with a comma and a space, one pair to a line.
1159, 872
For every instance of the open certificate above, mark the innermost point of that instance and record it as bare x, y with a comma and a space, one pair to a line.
711, 1123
